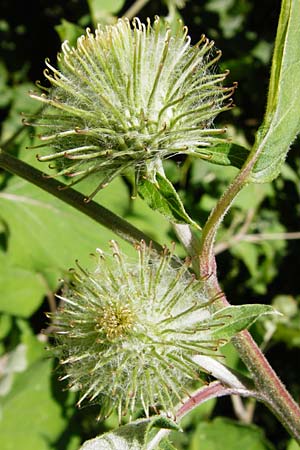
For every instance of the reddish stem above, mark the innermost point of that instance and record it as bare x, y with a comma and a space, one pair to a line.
213, 390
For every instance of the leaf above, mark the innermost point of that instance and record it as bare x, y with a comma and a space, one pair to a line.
166, 445
162, 196
21, 291
68, 31
5, 325
30, 416
225, 434
104, 8
282, 119
28, 351
20, 103
133, 436
227, 154
45, 237
233, 319
293, 445
249, 254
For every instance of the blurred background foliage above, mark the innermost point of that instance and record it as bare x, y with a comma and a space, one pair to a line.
258, 246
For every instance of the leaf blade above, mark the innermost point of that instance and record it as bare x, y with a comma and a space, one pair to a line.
133, 436
233, 319
162, 197
282, 119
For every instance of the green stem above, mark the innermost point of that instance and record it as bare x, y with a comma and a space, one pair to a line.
275, 395
74, 198
207, 254
135, 8
272, 390
267, 382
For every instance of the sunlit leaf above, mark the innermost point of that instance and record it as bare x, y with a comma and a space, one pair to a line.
282, 119
224, 434
162, 196
133, 436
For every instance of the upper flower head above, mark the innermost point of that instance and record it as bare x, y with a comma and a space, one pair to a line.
127, 332
129, 96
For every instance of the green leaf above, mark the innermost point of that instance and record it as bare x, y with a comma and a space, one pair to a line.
30, 416
166, 445
224, 434
5, 325
282, 119
5, 89
68, 31
21, 291
249, 254
45, 238
233, 319
28, 351
162, 196
133, 436
227, 154
293, 445
101, 9
20, 103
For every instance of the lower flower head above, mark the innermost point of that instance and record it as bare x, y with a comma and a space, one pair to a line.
129, 96
126, 333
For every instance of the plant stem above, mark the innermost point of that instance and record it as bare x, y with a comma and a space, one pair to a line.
135, 8
207, 255
266, 381
74, 198
213, 390
271, 390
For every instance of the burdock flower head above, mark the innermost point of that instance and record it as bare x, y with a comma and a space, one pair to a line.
126, 333
129, 96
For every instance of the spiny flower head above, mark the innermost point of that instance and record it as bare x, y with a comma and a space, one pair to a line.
126, 333
129, 96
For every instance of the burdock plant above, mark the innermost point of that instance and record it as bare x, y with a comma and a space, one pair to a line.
129, 96
136, 335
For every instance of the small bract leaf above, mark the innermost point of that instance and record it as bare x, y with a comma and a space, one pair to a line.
219, 371
227, 154
233, 319
162, 196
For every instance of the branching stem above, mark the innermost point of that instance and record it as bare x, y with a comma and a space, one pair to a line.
213, 390
267, 383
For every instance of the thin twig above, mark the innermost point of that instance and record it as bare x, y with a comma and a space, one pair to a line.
244, 412
135, 8
255, 238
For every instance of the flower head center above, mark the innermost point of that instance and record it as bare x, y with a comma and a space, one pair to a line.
116, 321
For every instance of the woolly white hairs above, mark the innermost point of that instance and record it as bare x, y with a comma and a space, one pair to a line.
127, 97
126, 335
